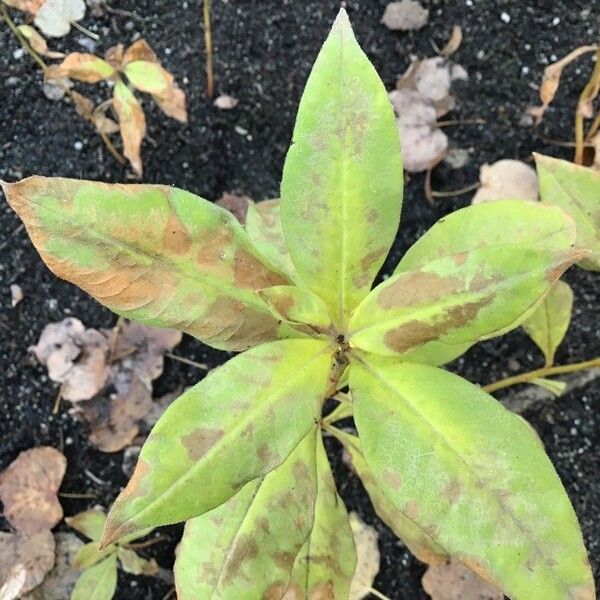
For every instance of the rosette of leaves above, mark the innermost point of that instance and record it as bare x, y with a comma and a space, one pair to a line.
240, 455
99, 566
139, 66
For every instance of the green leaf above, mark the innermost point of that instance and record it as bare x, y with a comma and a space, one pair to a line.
457, 299
136, 565
81, 66
297, 305
473, 476
555, 387
98, 582
236, 425
250, 543
341, 190
548, 324
483, 225
326, 564
90, 554
575, 189
153, 253
148, 76
263, 225
132, 123
88, 522
417, 540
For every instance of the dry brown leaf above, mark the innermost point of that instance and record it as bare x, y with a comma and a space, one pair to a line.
75, 356
225, 102
30, 6
405, 15
114, 56
139, 50
83, 67
96, 116
422, 96
506, 179
172, 103
453, 44
236, 205
132, 122
367, 557
59, 582
551, 80
32, 554
453, 581
28, 489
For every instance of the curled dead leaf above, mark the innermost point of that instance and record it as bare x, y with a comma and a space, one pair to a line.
28, 489
37, 42
405, 15
367, 557
132, 122
25, 559
114, 56
505, 180
139, 50
453, 581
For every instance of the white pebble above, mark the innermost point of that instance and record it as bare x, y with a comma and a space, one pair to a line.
78, 145
556, 21
18, 53
505, 17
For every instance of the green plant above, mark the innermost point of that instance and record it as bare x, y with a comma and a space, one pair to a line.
240, 455
99, 577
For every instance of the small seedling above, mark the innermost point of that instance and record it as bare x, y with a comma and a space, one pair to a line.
240, 455
99, 566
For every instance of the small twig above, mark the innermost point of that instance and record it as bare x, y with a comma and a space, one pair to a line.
187, 361
73, 495
210, 83
378, 594
451, 193
87, 32
169, 594
113, 339
450, 122
562, 143
56, 406
95, 478
146, 544
543, 372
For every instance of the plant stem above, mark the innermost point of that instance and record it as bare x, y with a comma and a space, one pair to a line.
543, 372
448, 122
148, 543
187, 361
450, 193
588, 93
210, 82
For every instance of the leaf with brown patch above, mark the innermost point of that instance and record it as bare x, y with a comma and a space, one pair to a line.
132, 123
260, 530
190, 266
452, 580
196, 457
83, 67
475, 478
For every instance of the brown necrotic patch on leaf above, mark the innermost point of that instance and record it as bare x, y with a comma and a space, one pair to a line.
176, 237
245, 550
392, 478
452, 580
281, 591
200, 441
251, 274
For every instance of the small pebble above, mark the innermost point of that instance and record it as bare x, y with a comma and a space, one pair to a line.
505, 17
78, 145
18, 53
555, 21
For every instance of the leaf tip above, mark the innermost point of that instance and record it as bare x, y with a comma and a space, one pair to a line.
342, 23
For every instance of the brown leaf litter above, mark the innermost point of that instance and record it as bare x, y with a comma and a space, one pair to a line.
453, 581
106, 374
367, 558
506, 179
405, 15
422, 96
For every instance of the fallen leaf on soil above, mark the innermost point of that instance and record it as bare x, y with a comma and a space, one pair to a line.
405, 15
367, 558
96, 116
81, 66
37, 42
59, 582
422, 96
506, 179
551, 80
452, 581
236, 205
453, 44
28, 489
75, 356
139, 50
225, 102
114, 56
54, 17
30, 6
16, 294
132, 123
136, 565
33, 554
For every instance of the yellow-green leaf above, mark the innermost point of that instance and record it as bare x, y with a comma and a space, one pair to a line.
473, 476
236, 425
250, 543
98, 582
90, 554
89, 522
457, 299
297, 305
81, 66
132, 123
575, 189
549, 322
153, 253
136, 565
341, 190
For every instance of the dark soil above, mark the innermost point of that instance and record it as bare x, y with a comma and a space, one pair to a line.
264, 50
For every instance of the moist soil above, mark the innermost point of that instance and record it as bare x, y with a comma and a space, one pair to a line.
263, 53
